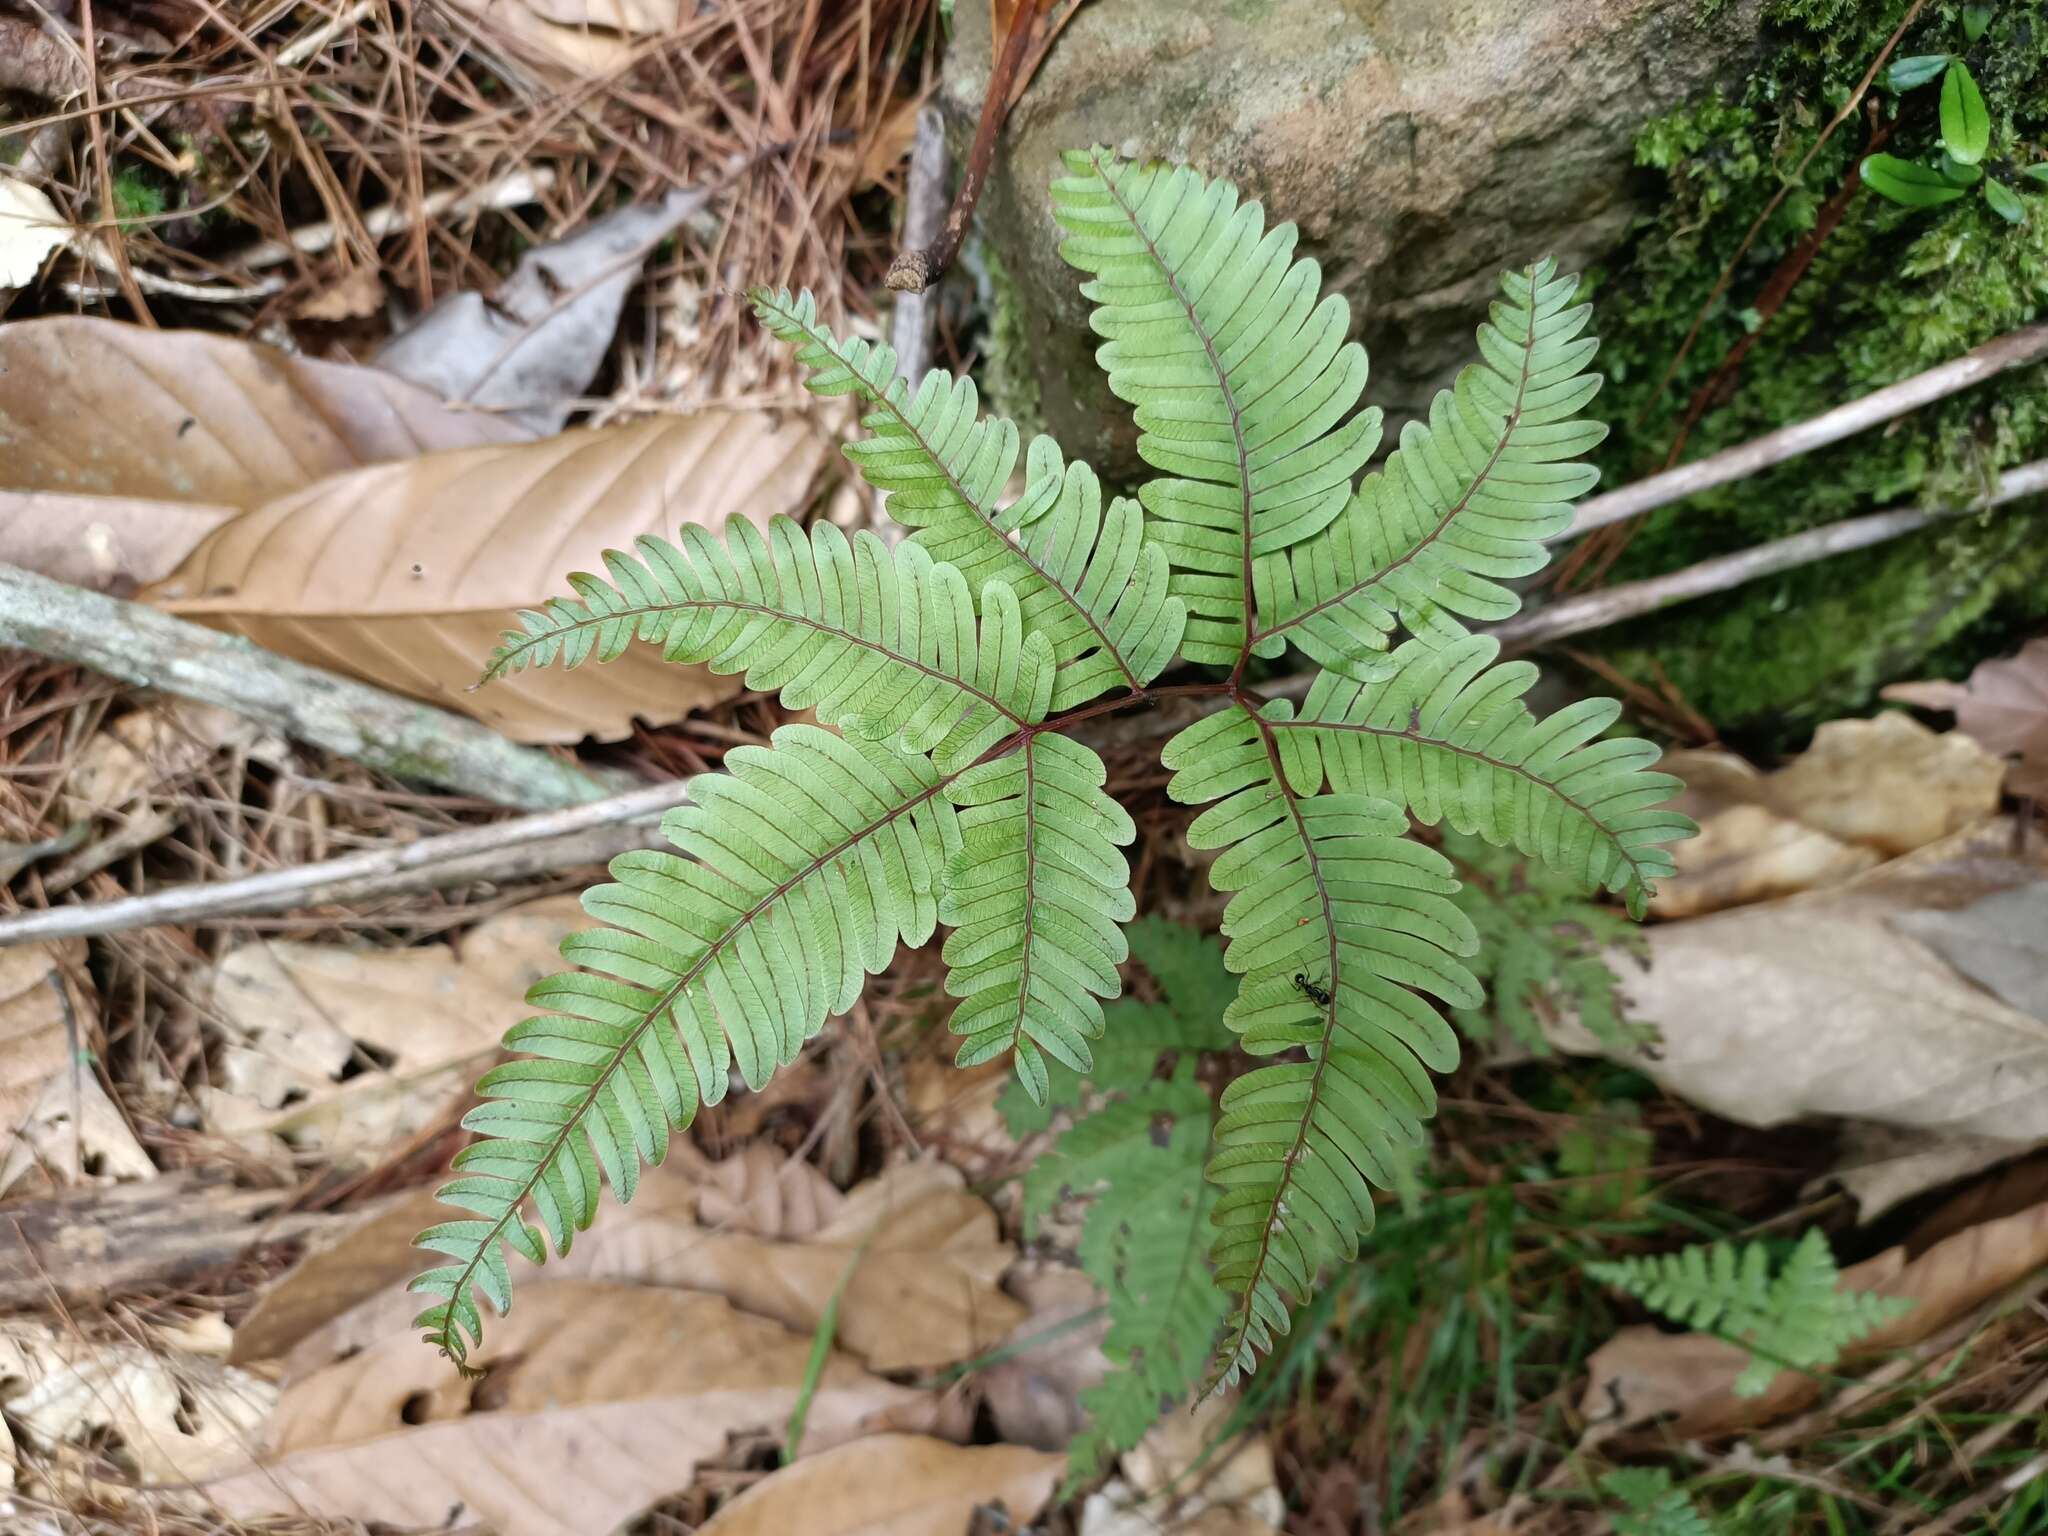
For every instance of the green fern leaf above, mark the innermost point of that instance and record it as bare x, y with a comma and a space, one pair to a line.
1035, 895
1654, 1507
1085, 576
881, 644
1141, 1160
1447, 738
1327, 893
805, 863
1188, 1020
1799, 1318
1464, 504
1244, 386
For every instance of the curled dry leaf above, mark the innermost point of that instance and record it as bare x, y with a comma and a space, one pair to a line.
926, 1291
1865, 791
895, 1485
1830, 1004
156, 1417
31, 229
530, 350
596, 1400
347, 1049
2004, 706
407, 574
207, 427
761, 1189
1643, 1373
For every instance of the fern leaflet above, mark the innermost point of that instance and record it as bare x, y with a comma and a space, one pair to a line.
1086, 578
881, 644
1653, 1506
1244, 386
1465, 502
1799, 1318
808, 860
1325, 889
1034, 896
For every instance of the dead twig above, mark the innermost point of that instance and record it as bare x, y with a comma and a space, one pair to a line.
400, 736
2015, 349
500, 850
924, 206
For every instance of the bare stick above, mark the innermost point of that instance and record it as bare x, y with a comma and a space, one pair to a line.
924, 208
402, 737
2013, 350
496, 851
1597, 610
917, 268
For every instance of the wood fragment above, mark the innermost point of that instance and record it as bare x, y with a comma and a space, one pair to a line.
924, 209
399, 736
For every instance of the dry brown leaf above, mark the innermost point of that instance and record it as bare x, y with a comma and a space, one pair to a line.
31, 229
761, 1189
347, 1049
207, 426
352, 296
581, 51
596, 1401
173, 1419
54, 1116
1888, 783
1032, 1393
2004, 706
1643, 1373
145, 748
894, 1485
407, 574
1236, 1487
926, 1293
1827, 1004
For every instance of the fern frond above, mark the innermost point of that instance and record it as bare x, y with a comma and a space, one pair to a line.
1799, 1318
803, 865
1653, 1506
883, 644
1447, 738
1035, 895
1243, 383
1188, 1020
1464, 504
1086, 576
1327, 894
1140, 1159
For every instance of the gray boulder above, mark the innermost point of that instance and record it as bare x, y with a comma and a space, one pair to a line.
1421, 146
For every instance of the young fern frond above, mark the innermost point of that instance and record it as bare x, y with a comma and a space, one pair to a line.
884, 645
1035, 896
1336, 921
1244, 386
1799, 1317
1086, 577
1447, 737
805, 863
1464, 504
1652, 1506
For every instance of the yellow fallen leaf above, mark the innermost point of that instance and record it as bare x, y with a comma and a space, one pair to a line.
596, 1401
894, 1485
1889, 783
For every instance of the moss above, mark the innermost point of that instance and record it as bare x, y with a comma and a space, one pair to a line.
1012, 387
1892, 291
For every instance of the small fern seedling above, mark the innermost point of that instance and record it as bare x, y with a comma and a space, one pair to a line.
1651, 1506
944, 785
1798, 1318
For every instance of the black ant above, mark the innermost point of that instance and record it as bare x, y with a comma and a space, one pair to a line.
1314, 993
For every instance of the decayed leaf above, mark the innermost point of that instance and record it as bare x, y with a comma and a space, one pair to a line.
54, 1116
1865, 791
1184, 1466
761, 1189
406, 574
1828, 1004
1888, 783
172, 1419
2004, 706
30, 229
530, 350
207, 427
145, 748
1643, 1373
1053, 1356
596, 1401
351, 296
894, 1485
926, 1292
346, 1049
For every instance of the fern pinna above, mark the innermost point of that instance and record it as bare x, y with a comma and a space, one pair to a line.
949, 789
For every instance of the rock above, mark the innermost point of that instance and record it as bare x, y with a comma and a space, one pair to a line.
1421, 145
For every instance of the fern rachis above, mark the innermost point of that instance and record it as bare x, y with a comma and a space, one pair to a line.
954, 668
